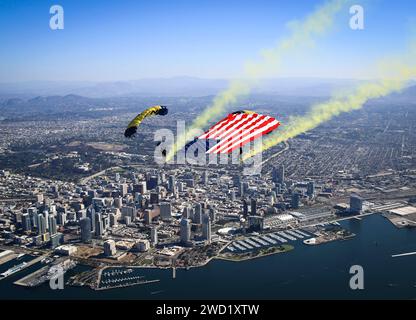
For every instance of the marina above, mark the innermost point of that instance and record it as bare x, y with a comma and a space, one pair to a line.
285, 235
110, 278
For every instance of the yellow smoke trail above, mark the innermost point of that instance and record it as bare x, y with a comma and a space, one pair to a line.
323, 112
316, 24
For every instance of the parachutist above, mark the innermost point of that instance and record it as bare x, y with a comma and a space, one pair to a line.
132, 127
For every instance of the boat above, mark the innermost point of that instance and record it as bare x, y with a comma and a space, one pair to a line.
13, 270
20, 256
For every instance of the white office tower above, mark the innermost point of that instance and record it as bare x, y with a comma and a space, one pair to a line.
46, 216
153, 236
110, 248
185, 231
206, 228
165, 210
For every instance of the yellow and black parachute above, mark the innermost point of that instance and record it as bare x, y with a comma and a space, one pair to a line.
132, 127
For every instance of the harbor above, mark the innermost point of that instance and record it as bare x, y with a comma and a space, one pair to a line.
284, 274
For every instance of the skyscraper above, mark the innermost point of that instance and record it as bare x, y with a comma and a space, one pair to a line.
46, 216
356, 204
241, 189
198, 214
245, 207
113, 220
295, 200
61, 218
278, 174
172, 184
99, 230
152, 182
165, 210
26, 222
41, 224
85, 224
213, 214
123, 189
110, 248
185, 231
206, 228
310, 189
253, 207
205, 178
118, 202
91, 215
33, 213
154, 198
232, 195
185, 213
52, 225
153, 236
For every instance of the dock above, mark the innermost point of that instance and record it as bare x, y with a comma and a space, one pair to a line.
7, 256
25, 281
403, 254
29, 264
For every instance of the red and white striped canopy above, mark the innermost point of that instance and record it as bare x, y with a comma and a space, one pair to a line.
237, 129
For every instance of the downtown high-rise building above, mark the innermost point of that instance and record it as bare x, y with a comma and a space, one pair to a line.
356, 203
123, 189
110, 248
185, 231
310, 189
253, 207
41, 224
198, 214
185, 212
165, 210
52, 225
205, 178
99, 228
278, 174
245, 207
206, 228
26, 222
153, 236
91, 215
86, 234
172, 184
295, 200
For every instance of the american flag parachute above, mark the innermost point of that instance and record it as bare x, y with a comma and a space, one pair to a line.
237, 129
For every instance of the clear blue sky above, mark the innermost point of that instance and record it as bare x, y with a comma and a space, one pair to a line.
123, 40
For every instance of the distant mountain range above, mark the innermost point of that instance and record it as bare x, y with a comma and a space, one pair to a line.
294, 92
172, 87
